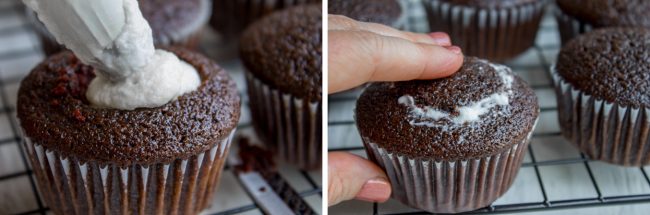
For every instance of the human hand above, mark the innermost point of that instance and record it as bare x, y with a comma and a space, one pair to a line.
362, 52
366, 52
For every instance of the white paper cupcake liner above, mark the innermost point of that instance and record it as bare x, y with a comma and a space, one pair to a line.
72, 186
495, 34
290, 125
449, 186
603, 130
570, 27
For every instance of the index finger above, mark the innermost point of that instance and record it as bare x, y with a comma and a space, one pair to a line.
358, 57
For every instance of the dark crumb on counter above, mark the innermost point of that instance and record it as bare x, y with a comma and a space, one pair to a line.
254, 157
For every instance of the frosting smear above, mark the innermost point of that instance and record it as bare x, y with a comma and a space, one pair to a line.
428, 116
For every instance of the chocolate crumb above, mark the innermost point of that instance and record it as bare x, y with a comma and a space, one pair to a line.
77, 115
55, 102
59, 90
254, 157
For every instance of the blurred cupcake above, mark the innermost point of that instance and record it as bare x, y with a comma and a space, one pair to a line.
602, 81
231, 17
89, 160
282, 55
453, 144
577, 17
494, 29
173, 22
387, 12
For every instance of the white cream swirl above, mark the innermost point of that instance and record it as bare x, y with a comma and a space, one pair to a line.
429, 116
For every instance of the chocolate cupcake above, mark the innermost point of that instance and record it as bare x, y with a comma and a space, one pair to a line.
231, 17
602, 81
173, 23
282, 55
494, 29
387, 12
453, 144
89, 160
575, 17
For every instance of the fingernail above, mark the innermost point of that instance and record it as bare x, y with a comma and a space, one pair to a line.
374, 190
440, 38
454, 49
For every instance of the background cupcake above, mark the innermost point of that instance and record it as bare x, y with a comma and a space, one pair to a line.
494, 29
282, 54
576, 17
602, 80
453, 144
231, 17
173, 22
90, 160
387, 12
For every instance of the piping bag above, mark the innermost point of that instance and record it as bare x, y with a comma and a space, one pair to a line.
113, 37
88, 28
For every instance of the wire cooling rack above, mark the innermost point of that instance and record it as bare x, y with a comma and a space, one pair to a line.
20, 51
554, 175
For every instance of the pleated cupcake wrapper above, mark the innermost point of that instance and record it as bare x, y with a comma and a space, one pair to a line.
603, 130
70, 186
495, 34
290, 125
569, 26
189, 36
449, 186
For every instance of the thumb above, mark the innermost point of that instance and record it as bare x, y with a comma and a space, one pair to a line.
351, 176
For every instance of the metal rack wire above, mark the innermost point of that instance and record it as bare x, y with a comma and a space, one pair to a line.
13, 25
541, 64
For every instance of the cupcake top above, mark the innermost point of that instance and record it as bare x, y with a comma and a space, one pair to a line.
54, 112
490, 3
284, 51
610, 64
385, 12
603, 13
481, 110
173, 20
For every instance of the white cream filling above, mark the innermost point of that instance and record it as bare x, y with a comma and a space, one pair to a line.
151, 87
114, 37
431, 117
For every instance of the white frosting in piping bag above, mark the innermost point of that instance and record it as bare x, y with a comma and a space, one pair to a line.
114, 38
427, 116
